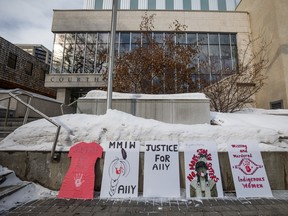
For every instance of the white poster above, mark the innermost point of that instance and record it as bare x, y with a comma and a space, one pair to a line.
248, 170
161, 169
202, 172
121, 167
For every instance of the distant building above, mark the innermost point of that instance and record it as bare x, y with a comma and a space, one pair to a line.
37, 50
18, 69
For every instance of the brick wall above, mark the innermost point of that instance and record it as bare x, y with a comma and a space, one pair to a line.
18, 78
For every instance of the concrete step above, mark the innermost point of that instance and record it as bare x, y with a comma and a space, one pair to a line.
6, 191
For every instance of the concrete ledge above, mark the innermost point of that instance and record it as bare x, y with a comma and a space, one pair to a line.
37, 167
177, 111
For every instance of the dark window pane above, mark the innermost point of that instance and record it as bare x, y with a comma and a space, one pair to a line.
222, 5
187, 5
203, 38
12, 60
224, 39
133, 4
152, 4
169, 4
213, 39
125, 37
158, 37
204, 4
181, 38
191, 38
233, 39
99, 4
29, 68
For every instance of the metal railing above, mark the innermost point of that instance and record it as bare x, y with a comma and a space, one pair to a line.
14, 94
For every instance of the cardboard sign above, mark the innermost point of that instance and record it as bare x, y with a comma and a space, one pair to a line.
79, 180
161, 169
121, 166
248, 170
203, 177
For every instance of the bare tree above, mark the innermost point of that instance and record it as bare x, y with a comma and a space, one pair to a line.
234, 88
157, 64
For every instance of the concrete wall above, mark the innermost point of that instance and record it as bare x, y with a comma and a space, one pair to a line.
37, 167
48, 106
95, 20
177, 111
269, 18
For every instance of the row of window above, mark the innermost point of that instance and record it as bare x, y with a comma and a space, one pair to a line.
28, 68
221, 5
87, 52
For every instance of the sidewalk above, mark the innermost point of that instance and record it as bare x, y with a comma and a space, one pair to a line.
142, 206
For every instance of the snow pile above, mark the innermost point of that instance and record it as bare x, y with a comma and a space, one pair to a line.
251, 125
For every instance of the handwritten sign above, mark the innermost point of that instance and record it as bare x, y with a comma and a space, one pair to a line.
248, 170
79, 180
203, 177
121, 166
161, 169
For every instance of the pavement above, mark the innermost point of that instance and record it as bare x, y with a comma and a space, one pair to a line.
141, 206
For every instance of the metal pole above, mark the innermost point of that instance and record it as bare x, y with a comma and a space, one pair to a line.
111, 54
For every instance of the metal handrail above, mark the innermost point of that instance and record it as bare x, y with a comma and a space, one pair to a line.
28, 107
62, 111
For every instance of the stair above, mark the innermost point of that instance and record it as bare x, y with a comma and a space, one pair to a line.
12, 124
5, 188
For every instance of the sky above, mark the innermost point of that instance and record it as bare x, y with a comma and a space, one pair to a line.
30, 21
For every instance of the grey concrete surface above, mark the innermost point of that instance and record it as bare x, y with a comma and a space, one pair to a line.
217, 206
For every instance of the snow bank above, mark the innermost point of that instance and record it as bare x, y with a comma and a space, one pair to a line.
115, 125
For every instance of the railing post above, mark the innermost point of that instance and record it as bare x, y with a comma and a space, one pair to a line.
7, 113
27, 110
55, 142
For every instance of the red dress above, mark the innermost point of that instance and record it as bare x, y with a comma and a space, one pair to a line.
79, 179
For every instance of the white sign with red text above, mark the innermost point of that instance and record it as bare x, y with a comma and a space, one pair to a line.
202, 172
249, 175
161, 169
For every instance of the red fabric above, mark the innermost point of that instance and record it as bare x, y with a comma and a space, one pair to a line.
79, 179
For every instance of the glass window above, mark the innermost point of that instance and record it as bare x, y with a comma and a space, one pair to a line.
181, 38
12, 60
169, 4
222, 5
213, 39
224, 39
69, 53
158, 37
192, 38
99, 4
204, 4
187, 5
226, 57
203, 38
133, 4
29, 68
79, 53
124, 42
58, 53
152, 4
90, 53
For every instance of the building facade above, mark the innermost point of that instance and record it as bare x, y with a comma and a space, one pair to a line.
268, 18
18, 69
80, 35
37, 50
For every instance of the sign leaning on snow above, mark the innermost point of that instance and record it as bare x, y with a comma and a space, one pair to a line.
161, 169
202, 172
121, 166
248, 170
79, 180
